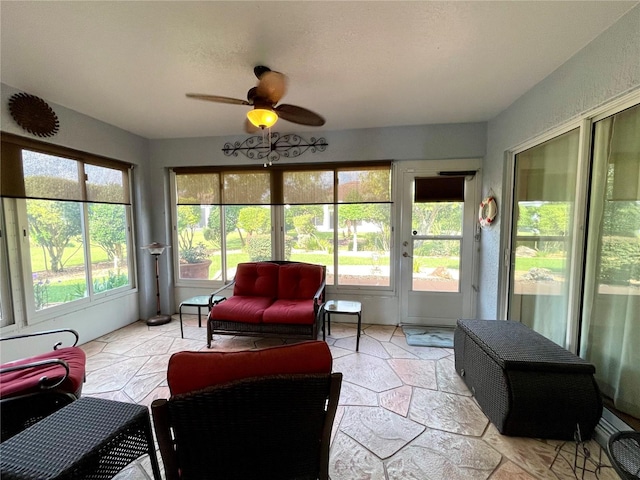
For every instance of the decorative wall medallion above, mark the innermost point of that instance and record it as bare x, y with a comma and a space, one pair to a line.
33, 114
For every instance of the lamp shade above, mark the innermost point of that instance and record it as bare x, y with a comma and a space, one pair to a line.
155, 248
262, 117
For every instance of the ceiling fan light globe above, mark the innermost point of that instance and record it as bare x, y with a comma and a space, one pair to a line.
262, 117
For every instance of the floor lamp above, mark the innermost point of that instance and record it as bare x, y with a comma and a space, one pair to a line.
156, 250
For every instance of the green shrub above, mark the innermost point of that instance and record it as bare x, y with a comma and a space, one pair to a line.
195, 254
287, 247
259, 248
305, 242
347, 243
304, 224
111, 281
620, 260
437, 249
325, 245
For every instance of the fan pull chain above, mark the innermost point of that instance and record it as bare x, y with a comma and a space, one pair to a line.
268, 146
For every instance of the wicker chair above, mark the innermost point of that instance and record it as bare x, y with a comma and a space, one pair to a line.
257, 414
33, 388
624, 451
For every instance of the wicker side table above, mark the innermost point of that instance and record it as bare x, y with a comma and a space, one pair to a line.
91, 438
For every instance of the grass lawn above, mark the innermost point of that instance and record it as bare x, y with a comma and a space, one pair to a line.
554, 264
73, 257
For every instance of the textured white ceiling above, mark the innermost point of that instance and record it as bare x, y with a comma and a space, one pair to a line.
359, 64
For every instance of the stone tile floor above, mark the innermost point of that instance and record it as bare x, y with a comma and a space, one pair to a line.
404, 413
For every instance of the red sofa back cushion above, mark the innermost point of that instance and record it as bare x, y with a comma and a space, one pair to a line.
256, 279
190, 371
299, 281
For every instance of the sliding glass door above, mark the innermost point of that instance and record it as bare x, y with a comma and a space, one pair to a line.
610, 333
574, 272
544, 201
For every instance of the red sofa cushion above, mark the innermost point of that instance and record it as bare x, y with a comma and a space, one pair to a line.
26, 381
190, 371
256, 279
297, 312
299, 281
241, 308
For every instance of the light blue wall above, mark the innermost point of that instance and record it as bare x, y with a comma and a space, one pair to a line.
81, 132
605, 69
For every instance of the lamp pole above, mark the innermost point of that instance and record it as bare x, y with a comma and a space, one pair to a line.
156, 250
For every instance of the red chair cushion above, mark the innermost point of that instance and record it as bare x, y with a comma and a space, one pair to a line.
257, 279
190, 371
299, 281
246, 309
26, 381
297, 312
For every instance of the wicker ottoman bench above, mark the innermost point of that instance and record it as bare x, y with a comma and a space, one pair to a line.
525, 384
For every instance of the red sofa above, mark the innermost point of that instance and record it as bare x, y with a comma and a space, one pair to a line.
275, 298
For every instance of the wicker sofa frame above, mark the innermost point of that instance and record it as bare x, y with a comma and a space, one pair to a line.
229, 327
525, 384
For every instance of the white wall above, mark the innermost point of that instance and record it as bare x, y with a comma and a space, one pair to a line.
606, 68
87, 134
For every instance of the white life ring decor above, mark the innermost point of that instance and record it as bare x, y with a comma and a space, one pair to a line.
488, 212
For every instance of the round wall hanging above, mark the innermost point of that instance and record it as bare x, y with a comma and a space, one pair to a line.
33, 114
487, 212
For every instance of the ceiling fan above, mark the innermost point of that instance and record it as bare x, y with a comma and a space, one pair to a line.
270, 89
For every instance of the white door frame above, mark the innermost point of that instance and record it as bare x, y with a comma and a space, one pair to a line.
440, 308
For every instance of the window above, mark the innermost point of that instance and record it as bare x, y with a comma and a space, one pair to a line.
71, 222
364, 227
236, 203
338, 217
436, 221
544, 198
309, 218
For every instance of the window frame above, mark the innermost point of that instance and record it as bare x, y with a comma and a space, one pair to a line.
6, 304
19, 295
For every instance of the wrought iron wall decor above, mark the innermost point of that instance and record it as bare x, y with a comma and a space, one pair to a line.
270, 149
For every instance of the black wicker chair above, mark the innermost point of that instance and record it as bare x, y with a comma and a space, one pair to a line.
274, 426
624, 452
33, 388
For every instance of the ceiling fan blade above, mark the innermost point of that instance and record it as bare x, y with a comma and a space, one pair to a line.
250, 127
300, 115
218, 99
272, 86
